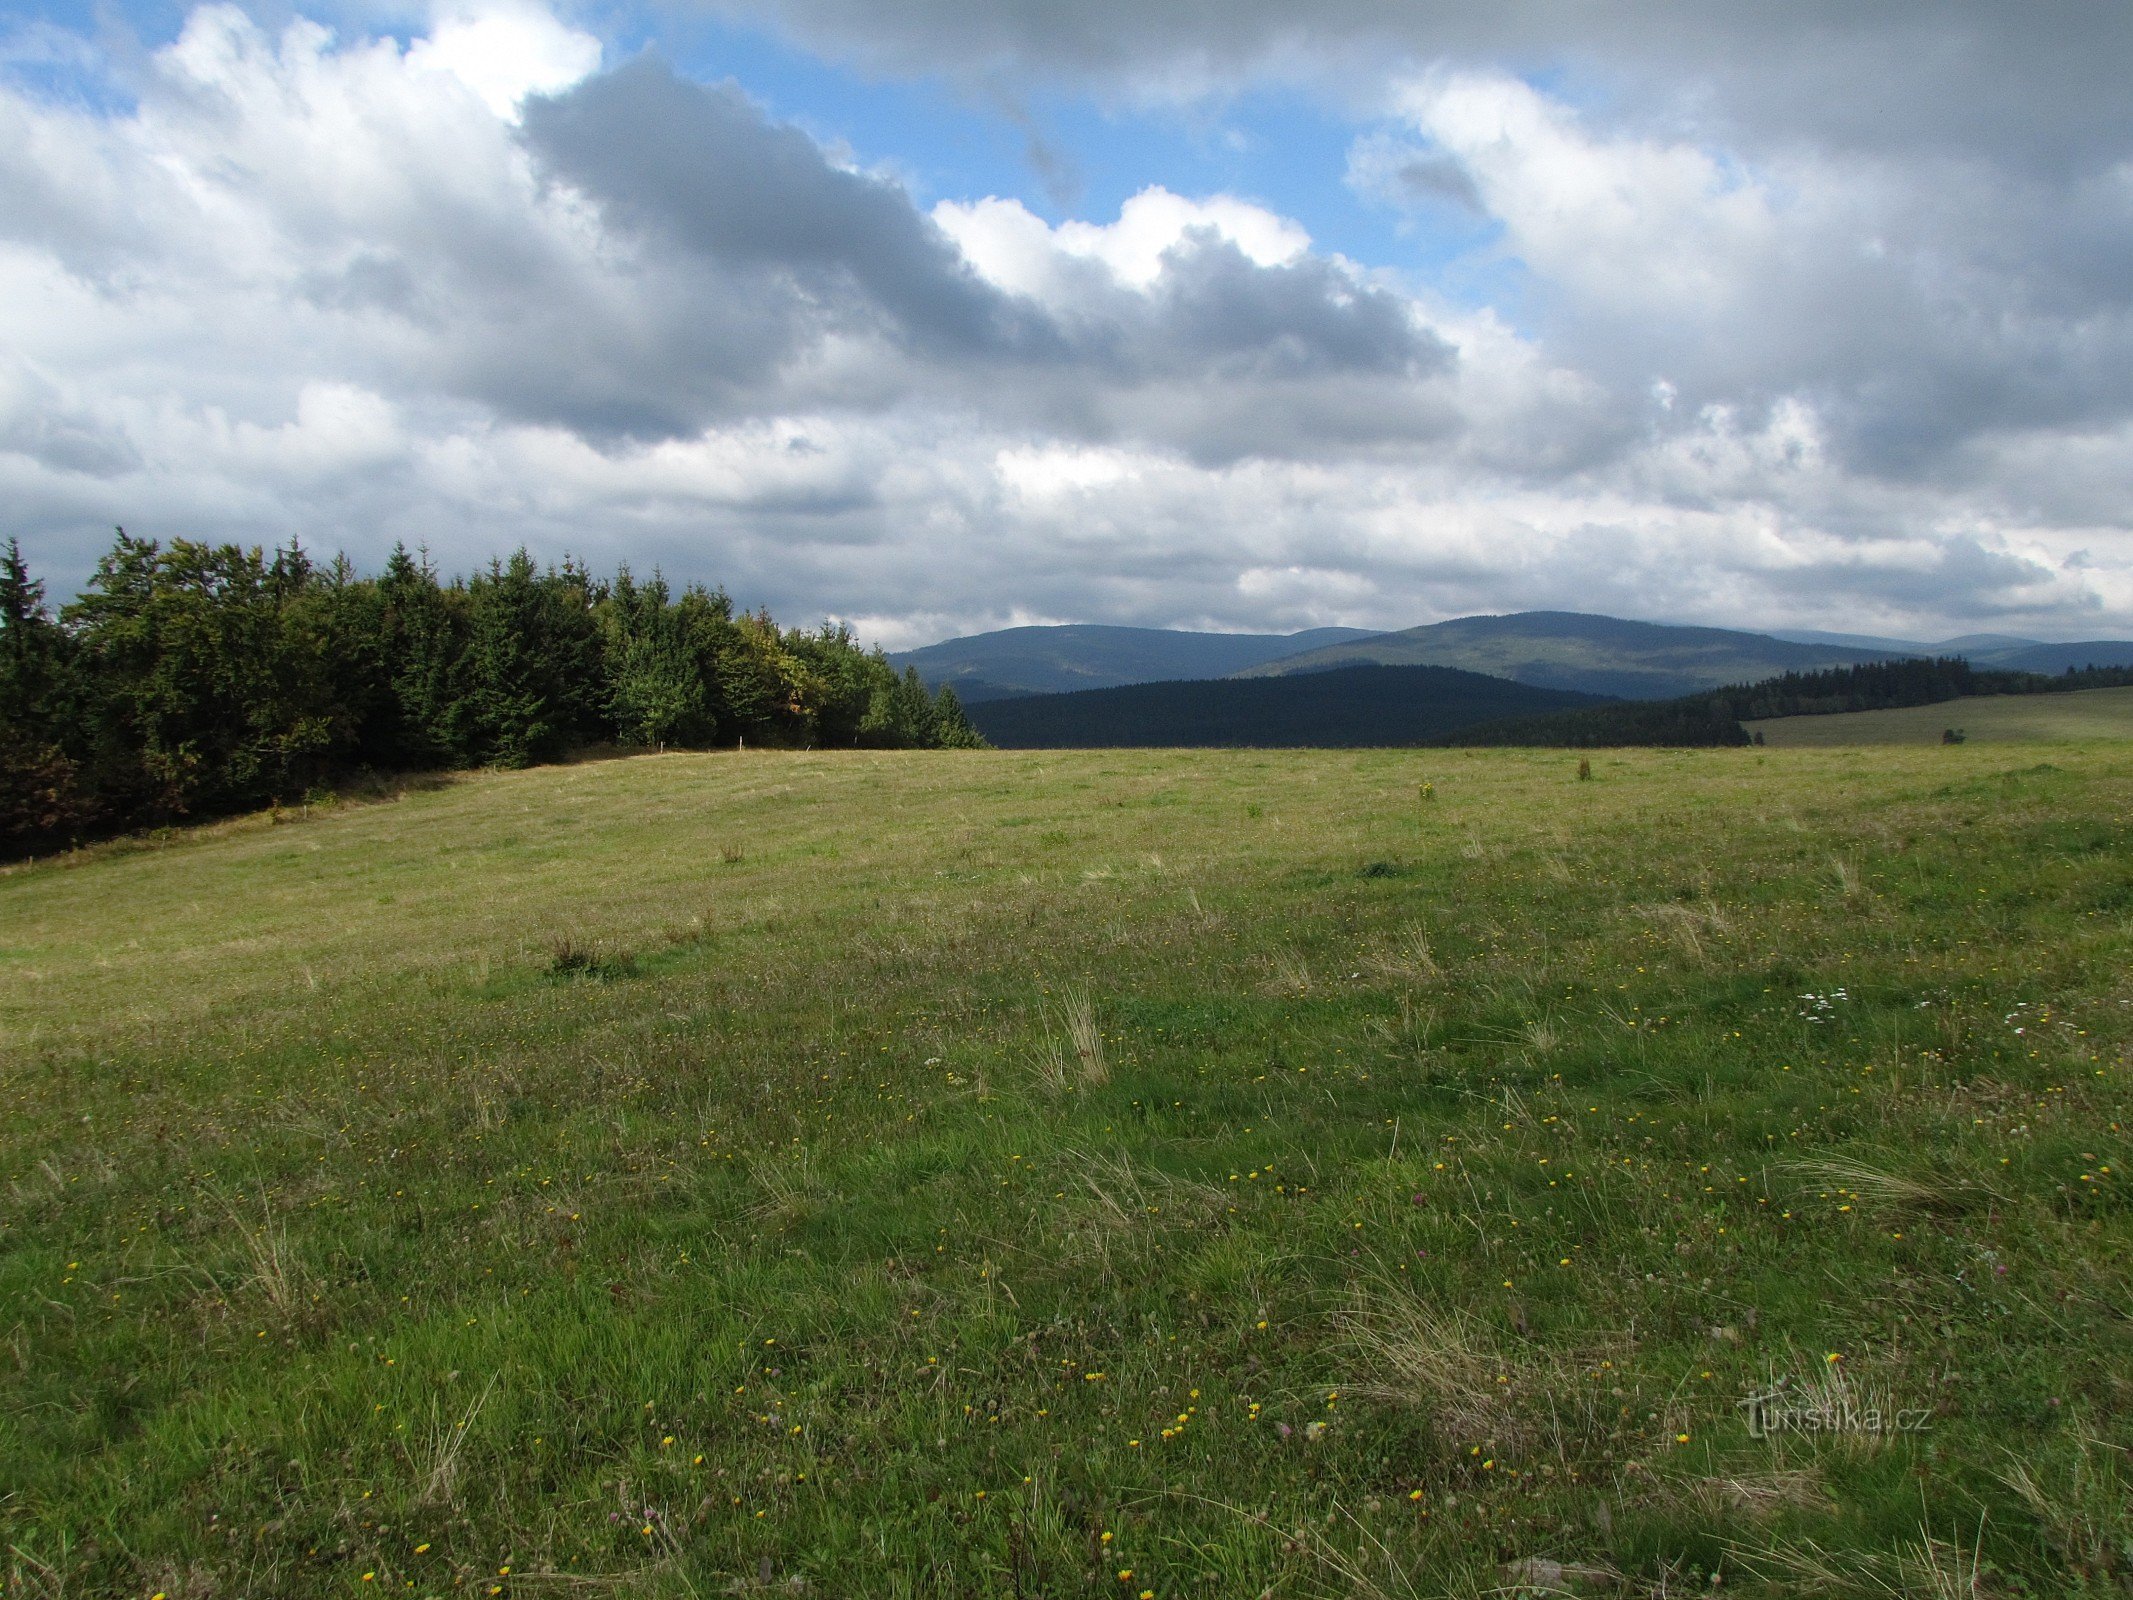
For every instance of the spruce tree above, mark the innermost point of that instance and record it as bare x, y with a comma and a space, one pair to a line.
41, 798
952, 728
510, 710
425, 631
29, 643
656, 691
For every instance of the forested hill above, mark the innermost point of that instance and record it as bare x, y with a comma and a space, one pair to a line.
1353, 706
193, 679
1069, 656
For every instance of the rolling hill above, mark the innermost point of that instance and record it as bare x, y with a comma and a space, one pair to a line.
1570, 650
1350, 707
815, 1145
1053, 660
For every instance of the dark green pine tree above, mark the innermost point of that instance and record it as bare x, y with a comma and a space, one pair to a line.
755, 691
952, 729
567, 639
703, 623
331, 673
201, 698
29, 644
843, 681
900, 716
656, 693
510, 710
428, 721
41, 798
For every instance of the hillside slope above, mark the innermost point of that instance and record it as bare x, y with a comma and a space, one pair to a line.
1983, 719
1716, 716
823, 1174
1054, 660
1352, 707
1571, 650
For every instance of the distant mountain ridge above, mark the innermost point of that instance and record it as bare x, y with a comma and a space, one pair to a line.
1344, 707
1060, 659
1608, 656
1591, 654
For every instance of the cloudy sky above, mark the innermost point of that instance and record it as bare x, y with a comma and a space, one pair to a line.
940, 315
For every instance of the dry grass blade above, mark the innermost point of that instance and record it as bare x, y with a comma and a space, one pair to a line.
1760, 1495
1114, 1186
1353, 1571
440, 1467
1687, 927
788, 1191
1288, 975
1050, 1062
1088, 1039
1907, 1192
1537, 1575
39, 1578
1409, 958
2082, 1513
276, 1270
1437, 1361
1124, 1194
1930, 1568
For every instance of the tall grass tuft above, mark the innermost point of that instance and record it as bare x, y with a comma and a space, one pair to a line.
1087, 1038
1436, 1361
277, 1272
1928, 1193
1072, 1055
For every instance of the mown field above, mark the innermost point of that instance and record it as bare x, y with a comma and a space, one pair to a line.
2083, 714
1109, 1174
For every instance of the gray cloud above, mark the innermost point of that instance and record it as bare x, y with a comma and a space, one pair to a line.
755, 249
703, 169
2042, 83
1949, 250
1224, 317
1768, 366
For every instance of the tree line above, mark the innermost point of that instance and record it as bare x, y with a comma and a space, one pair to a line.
192, 679
1714, 717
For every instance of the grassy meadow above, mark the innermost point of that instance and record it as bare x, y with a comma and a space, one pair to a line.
2082, 714
1111, 1174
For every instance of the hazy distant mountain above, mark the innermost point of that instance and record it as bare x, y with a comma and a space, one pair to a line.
1971, 644
1859, 641
1595, 655
1049, 660
1349, 706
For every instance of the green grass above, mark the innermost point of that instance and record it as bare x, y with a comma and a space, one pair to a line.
993, 1174
1987, 719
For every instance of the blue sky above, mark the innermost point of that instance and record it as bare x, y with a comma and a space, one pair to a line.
967, 314
1063, 150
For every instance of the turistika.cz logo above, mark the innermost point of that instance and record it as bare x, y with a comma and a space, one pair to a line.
1781, 1410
